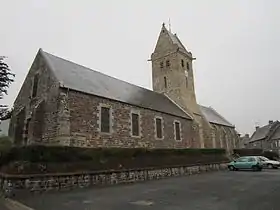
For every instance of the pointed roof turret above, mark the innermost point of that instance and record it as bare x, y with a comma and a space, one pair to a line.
175, 40
166, 36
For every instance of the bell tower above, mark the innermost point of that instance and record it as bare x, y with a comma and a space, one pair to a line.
172, 74
173, 71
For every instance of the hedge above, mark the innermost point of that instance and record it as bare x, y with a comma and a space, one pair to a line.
258, 152
69, 154
42, 159
244, 151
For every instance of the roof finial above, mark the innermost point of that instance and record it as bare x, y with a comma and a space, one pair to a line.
169, 24
163, 24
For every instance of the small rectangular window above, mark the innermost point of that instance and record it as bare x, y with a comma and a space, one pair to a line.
159, 128
35, 85
182, 63
177, 131
188, 66
165, 82
161, 65
105, 120
167, 63
135, 124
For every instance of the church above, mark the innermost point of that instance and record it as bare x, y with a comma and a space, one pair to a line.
64, 103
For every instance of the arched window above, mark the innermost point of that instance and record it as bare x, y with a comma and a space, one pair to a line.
165, 82
39, 121
35, 85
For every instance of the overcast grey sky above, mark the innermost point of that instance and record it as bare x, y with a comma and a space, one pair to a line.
236, 43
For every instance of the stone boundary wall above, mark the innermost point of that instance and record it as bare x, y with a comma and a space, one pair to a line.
66, 181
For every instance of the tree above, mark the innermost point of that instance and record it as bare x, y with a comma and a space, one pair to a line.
6, 78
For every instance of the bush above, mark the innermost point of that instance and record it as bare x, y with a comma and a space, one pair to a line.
258, 152
5, 141
69, 154
271, 155
5, 145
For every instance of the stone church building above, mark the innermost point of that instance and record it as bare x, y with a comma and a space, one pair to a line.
64, 103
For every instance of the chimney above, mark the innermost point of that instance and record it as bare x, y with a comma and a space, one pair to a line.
257, 127
247, 135
270, 122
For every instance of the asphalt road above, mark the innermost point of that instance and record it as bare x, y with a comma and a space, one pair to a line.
211, 191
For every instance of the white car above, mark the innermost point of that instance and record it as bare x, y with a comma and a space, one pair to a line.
269, 163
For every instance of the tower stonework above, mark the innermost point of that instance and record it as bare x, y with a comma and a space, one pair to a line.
172, 74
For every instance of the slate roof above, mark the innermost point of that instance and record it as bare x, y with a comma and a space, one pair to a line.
83, 79
262, 132
214, 117
276, 135
176, 40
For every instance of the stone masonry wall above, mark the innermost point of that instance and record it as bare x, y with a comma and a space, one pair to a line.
179, 82
40, 183
84, 128
47, 93
225, 137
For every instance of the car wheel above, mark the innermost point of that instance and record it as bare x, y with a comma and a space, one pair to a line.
231, 168
256, 168
270, 166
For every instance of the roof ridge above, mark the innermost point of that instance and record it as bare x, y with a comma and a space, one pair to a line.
272, 130
89, 69
178, 105
180, 41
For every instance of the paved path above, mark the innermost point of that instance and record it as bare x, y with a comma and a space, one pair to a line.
212, 191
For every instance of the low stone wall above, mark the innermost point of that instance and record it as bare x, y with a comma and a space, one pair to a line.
47, 182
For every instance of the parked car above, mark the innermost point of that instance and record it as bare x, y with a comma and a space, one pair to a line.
246, 162
267, 163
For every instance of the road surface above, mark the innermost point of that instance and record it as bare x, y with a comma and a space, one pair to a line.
210, 191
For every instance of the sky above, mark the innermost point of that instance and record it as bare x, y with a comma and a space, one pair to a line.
236, 44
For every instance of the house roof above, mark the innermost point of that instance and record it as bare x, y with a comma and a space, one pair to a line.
276, 135
214, 117
83, 79
262, 132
